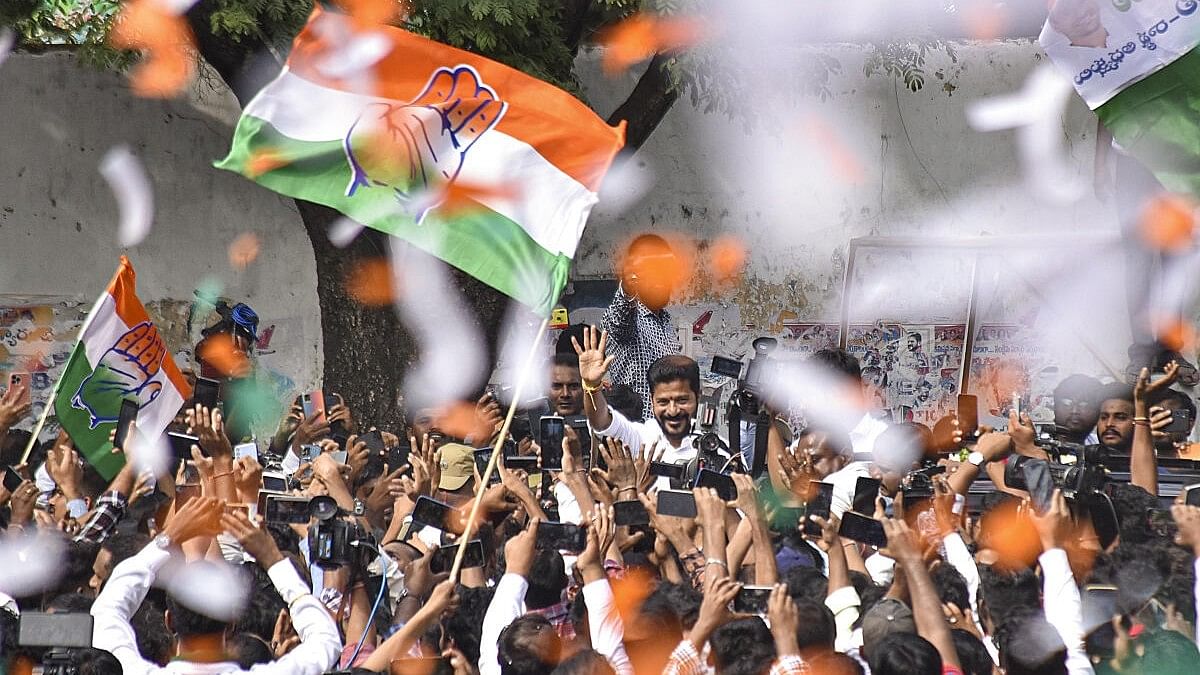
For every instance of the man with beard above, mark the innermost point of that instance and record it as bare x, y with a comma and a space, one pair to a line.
1076, 409
1115, 424
674, 383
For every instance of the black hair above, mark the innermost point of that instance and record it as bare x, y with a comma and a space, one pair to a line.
186, 622
1078, 386
682, 599
805, 583
92, 484
1133, 504
547, 579
672, 368
973, 656
951, 586
1184, 401
248, 650
264, 607
124, 544
904, 654
626, 401
70, 603
743, 647
154, 640
563, 344
1115, 391
585, 662
92, 661
12, 446
835, 663
565, 359
836, 439
838, 361
1029, 645
816, 631
1003, 593
78, 565
466, 622
516, 653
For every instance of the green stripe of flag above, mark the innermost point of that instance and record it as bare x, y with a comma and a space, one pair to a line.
480, 242
93, 444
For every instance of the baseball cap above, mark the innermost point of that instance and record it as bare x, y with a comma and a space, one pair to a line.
458, 466
887, 616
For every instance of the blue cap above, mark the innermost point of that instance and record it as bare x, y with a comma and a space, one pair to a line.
245, 318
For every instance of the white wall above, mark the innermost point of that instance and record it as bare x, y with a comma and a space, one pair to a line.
58, 217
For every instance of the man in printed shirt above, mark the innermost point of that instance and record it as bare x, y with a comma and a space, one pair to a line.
638, 325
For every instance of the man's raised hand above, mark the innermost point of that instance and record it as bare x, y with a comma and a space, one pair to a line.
593, 364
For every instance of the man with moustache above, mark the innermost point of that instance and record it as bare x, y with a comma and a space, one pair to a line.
674, 384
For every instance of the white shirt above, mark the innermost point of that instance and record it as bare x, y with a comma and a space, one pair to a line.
319, 646
863, 435
638, 436
1064, 609
844, 481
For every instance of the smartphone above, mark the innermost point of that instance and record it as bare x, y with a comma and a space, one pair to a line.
181, 444
287, 510
1099, 603
630, 512
339, 456
12, 480
125, 421
313, 403
376, 450
725, 366
1181, 422
552, 536
435, 514
309, 452
443, 560
238, 508
22, 379
245, 450
580, 424
482, 457
551, 429
968, 415
207, 392
1039, 483
397, 456
666, 470
1191, 494
724, 485
752, 600
862, 529
423, 665
274, 481
58, 629
866, 490
820, 501
678, 503
527, 464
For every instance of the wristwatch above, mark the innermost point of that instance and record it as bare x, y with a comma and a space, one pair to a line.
163, 541
976, 458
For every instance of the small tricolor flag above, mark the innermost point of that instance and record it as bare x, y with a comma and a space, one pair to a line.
487, 168
119, 355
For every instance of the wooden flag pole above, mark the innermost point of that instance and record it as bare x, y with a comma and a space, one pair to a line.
497, 448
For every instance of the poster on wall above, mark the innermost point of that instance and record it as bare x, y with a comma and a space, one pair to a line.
1007, 359
910, 370
36, 337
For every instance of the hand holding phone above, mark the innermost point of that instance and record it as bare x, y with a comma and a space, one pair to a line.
820, 502
554, 536
22, 382
862, 529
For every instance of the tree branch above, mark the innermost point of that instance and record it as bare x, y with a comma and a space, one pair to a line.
246, 65
573, 21
647, 104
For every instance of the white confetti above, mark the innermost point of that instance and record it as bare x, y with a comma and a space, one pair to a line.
131, 186
342, 232
516, 366
176, 6
8, 39
31, 564
1036, 113
194, 585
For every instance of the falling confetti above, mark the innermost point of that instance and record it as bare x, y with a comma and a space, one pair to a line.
243, 250
220, 351
727, 259
264, 160
370, 282
131, 186
842, 160
1168, 222
154, 27
343, 231
642, 36
8, 39
192, 584
31, 564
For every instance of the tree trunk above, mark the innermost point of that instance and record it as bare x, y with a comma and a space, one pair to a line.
646, 105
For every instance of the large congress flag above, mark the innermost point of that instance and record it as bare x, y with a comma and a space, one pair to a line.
487, 168
119, 355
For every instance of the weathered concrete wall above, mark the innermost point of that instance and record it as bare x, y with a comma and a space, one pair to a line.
58, 218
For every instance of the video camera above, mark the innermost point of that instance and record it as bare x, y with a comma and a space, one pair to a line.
1074, 480
334, 541
918, 483
61, 632
747, 399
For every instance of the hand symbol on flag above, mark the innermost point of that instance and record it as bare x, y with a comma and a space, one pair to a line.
126, 370
418, 148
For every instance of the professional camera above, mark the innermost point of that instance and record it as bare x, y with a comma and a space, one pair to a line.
63, 633
1074, 480
918, 483
334, 541
747, 399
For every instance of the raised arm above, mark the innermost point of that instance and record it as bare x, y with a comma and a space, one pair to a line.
905, 548
593, 366
1143, 463
508, 603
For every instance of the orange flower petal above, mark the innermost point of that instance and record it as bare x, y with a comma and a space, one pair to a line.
459, 197
243, 250
370, 282
727, 259
264, 160
1168, 222
220, 352
642, 35
368, 13
169, 65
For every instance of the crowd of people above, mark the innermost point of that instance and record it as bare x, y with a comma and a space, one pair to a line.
646, 548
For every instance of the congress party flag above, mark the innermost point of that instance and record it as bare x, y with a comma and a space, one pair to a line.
481, 165
119, 355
